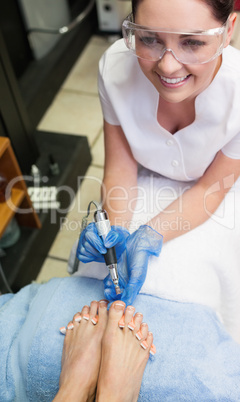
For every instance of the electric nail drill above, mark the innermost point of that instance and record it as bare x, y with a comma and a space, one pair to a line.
103, 227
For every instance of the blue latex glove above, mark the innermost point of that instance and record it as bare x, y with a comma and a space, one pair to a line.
91, 247
132, 267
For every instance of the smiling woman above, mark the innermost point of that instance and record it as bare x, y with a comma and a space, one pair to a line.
195, 64
170, 94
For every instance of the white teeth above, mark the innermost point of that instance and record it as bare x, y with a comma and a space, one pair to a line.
173, 80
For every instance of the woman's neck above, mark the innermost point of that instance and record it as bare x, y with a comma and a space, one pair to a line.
175, 116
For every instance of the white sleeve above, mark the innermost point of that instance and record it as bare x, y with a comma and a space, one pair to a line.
107, 108
232, 148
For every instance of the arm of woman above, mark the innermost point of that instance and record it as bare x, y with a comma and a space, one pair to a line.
119, 193
119, 188
201, 201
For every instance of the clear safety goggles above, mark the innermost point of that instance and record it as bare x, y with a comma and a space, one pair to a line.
193, 47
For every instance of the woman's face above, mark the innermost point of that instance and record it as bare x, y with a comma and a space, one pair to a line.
177, 15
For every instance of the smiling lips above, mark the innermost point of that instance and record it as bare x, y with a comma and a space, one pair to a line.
173, 81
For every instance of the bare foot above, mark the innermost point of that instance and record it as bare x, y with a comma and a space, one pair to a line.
123, 359
82, 353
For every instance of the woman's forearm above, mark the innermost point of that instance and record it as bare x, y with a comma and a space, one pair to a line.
201, 201
186, 213
119, 199
119, 187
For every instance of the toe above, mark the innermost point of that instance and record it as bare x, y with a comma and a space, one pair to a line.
116, 312
121, 322
85, 313
144, 343
77, 317
137, 322
144, 330
102, 312
128, 318
151, 346
63, 330
93, 312
70, 327
141, 335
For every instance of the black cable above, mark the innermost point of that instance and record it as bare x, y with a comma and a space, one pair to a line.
83, 226
65, 29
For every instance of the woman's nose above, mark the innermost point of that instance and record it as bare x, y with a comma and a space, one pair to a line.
168, 63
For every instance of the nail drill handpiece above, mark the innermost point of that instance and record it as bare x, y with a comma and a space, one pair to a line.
103, 227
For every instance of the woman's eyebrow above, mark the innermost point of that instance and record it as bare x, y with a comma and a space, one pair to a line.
185, 35
153, 33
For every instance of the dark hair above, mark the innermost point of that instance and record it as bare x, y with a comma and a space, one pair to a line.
135, 4
220, 8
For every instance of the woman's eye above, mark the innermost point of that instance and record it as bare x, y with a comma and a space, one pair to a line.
193, 43
148, 40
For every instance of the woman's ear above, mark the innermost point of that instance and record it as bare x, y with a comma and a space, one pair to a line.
231, 23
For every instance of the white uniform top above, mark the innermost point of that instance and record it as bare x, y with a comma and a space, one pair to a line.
130, 100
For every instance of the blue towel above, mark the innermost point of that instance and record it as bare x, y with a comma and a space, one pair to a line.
196, 359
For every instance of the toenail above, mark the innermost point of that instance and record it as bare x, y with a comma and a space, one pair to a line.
86, 317
103, 303
70, 326
144, 345
118, 306
63, 330
139, 335
94, 320
131, 325
153, 350
121, 323
78, 318
131, 308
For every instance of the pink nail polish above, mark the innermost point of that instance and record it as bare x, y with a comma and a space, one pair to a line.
131, 324
95, 320
144, 345
121, 322
78, 318
70, 326
86, 317
63, 330
153, 350
139, 335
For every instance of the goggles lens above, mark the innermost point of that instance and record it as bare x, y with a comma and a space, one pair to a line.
187, 47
